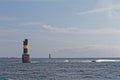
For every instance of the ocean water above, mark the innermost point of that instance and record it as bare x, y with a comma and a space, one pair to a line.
60, 69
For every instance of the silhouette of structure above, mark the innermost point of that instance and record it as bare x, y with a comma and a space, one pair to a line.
49, 56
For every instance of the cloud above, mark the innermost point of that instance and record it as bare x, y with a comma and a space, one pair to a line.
7, 18
94, 11
73, 30
106, 6
110, 9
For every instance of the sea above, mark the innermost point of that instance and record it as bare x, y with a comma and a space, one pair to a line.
60, 69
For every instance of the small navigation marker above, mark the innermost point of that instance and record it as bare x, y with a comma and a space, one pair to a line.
25, 55
49, 56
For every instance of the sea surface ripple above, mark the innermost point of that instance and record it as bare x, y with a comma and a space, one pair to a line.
59, 69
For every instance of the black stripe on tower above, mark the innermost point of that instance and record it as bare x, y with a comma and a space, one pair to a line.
25, 46
25, 50
25, 42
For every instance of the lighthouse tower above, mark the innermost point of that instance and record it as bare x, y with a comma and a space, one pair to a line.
25, 55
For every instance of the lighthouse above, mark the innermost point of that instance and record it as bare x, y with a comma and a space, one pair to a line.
49, 56
25, 55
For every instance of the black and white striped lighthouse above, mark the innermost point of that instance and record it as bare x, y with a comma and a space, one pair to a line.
25, 55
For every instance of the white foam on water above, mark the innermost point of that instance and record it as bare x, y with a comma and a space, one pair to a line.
77, 60
66, 61
106, 60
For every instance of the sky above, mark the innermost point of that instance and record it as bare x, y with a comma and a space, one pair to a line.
63, 28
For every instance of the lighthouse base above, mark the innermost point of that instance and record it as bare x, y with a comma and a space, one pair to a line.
25, 58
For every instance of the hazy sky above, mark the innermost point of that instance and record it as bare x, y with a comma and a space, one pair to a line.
64, 28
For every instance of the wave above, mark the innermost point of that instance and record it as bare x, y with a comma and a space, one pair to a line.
76, 60
105, 60
98, 60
